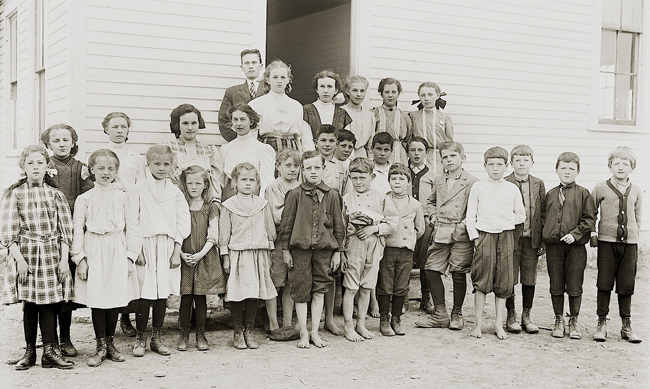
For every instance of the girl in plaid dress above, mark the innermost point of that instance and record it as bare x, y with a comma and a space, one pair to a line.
201, 272
36, 225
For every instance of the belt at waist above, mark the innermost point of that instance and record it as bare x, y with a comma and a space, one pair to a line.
33, 236
447, 220
277, 136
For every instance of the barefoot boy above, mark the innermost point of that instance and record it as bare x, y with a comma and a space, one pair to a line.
287, 163
370, 216
493, 209
312, 237
450, 246
528, 237
570, 218
620, 207
395, 266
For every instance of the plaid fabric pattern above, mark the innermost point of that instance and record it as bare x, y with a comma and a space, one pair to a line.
37, 217
280, 143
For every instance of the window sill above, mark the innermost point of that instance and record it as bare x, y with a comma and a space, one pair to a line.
617, 128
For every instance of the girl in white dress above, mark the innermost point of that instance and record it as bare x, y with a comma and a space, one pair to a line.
165, 222
132, 169
246, 148
246, 235
107, 241
363, 120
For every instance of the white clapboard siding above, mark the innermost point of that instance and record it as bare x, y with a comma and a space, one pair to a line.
57, 72
146, 57
310, 44
514, 71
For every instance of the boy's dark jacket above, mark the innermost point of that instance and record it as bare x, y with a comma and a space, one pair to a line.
537, 211
576, 217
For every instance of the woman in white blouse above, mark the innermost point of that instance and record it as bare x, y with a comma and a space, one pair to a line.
132, 165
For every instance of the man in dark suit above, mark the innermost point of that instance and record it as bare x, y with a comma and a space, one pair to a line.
251, 65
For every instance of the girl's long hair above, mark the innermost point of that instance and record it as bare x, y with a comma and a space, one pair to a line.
21, 162
182, 182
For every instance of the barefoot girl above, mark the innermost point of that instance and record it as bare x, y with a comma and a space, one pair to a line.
363, 120
36, 225
246, 235
107, 242
72, 179
201, 272
165, 223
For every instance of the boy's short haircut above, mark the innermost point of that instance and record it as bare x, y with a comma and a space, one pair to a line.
285, 154
250, 51
399, 168
382, 138
346, 135
159, 150
361, 165
420, 139
622, 152
452, 146
496, 152
522, 151
311, 154
388, 81
568, 156
325, 129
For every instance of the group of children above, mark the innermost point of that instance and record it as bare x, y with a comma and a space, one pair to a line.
118, 237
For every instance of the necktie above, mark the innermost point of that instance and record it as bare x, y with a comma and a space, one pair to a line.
562, 196
252, 89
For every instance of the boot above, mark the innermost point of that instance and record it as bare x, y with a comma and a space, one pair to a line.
140, 344
627, 332
528, 325
183, 338
67, 349
248, 336
601, 330
456, 318
29, 359
558, 329
201, 340
52, 359
396, 324
439, 319
100, 353
574, 328
238, 335
384, 326
156, 343
511, 322
126, 326
426, 304
112, 352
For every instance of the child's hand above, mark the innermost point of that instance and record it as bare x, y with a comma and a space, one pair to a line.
82, 269
23, 268
140, 261
174, 261
541, 251
344, 262
366, 232
64, 269
131, 267
336, 261
287, 258
568, 239
226, 263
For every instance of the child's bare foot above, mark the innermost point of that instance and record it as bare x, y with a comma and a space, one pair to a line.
363, 331
374, 312
476, 332
333, 328
352, 335
501, 334
304, 339
317, 341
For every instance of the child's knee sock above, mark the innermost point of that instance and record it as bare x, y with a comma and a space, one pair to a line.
574, 305
111, 320
142, 314
250, 310
625, 305
398, 305
510, 301
460, 288
185, 310
424, 283
527, 295
159, 310
558, 304
99, 322
602, 302
30, 322
65, 321
47, 321
237, 311
437, 287
384, 303
200, 309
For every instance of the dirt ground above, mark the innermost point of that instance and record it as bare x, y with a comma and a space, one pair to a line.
422, 358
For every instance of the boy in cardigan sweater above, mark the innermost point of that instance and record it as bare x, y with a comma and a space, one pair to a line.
620, 207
